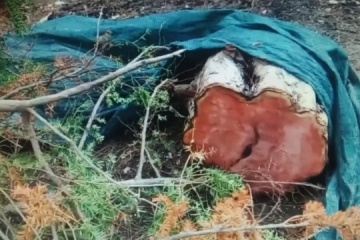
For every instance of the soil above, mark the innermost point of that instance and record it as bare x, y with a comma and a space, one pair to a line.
340, 21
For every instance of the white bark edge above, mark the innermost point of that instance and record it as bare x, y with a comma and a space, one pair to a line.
221, 70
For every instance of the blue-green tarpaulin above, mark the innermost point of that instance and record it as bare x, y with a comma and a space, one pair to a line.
316, 59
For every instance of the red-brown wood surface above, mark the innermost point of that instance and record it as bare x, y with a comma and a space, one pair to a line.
263, 139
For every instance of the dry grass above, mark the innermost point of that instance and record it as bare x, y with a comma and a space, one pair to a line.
40, 207
346, 222
237, 211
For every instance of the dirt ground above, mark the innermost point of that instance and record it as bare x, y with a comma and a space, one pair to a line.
340, 20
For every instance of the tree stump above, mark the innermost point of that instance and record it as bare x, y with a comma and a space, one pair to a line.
254, 118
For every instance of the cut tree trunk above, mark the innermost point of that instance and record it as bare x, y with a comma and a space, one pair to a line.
253, 118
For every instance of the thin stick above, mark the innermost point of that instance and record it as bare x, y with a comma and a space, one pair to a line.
144, 130
20, 105
46, 81
148, 49
3, 236
92, 117
127, 183
221, 229
7, 223
151, 161
71, 142
54, 233
98, 30
26, 119
103, 95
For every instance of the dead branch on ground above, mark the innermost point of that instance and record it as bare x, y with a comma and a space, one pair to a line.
30, 132
222, 229
144, 130
21, 105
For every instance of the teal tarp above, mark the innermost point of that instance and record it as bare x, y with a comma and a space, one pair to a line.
316, 59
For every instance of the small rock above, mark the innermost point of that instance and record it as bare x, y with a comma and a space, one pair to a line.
333, 2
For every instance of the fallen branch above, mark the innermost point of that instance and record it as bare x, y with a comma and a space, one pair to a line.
98, 30
158, 182
54, 232
50, 79
30, 132
221, 229
3, 236
151, 161
93, 116
126, 183
72, 144
103, 95
7, 224
144, 130
20, 105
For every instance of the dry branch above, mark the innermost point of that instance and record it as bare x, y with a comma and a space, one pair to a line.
26, 119
20, 105
93, 116
30, 132
144, 130
126, 183
3, 236
221, 229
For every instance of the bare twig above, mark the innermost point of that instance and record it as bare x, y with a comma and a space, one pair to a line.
93, 116
7, 223
3, 236
98, 30
148, 49
144, 130
155, 182
151, 161
107, 90
11, 207
26, 119
221, 229
49, 79
72, 144
20, 105
126, 183
54, 233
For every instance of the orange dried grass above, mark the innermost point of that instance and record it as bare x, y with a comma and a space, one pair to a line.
41, 209
346, 222
174, 212
23, 80
233, 211
15, 178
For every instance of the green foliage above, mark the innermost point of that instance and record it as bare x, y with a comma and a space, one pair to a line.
17, 12
271, 235
10, 70
222, 184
